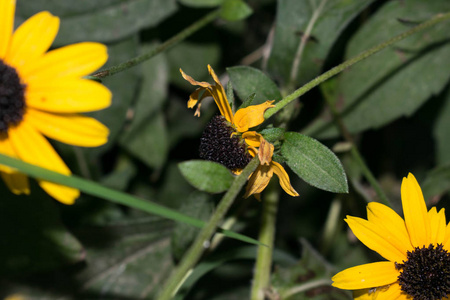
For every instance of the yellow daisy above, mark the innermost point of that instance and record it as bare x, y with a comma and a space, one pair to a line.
416, 249
227, 139
41, 93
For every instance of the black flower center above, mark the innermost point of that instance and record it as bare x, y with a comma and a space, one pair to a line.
12, 97
425, 275
219, 146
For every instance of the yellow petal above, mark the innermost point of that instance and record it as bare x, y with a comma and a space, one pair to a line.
16, 182
31, 40
265, 152
33, 148
366, 276
373, 236
71, 61
220, 97
252, 138
68, 95
259, 179
447, 237
415, 212
7, 8
284, 178
364, 294
72, 129
193, 81
194, 99
7, 149
437, 225
393, 292
251, 116
394, 226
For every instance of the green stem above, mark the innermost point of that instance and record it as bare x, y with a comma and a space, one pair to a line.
202, 241
261, 278
336, 70
164, 46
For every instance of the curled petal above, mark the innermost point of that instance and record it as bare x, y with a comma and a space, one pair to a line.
193, 81
258, 180
284, 178
220, 97
265, 152
366, 276
251, 116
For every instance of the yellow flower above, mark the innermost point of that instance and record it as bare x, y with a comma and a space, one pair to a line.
226, 142
42, 93
416, 249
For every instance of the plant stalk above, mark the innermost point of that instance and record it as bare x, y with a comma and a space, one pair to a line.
202, 240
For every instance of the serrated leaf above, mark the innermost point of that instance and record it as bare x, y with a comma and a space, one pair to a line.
235, 10
146, 137
101, 21
292, 20
248, 80
206, 176
378, 90
314, 163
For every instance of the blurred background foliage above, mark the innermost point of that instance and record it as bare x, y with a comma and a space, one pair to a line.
396, 103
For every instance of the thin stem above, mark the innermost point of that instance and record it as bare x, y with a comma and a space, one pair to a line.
301, 47
202, 241
164, 46
305, 287
336, 70
261, 278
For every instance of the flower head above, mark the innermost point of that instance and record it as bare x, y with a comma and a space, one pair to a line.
228, 140
41, 93
416, 249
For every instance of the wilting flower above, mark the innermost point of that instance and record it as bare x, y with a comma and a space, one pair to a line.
228, 141
41, 93
416, 248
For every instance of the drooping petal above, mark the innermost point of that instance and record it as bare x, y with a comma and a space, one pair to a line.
16, 182
68, 96
284, 178
366, 276
72, 129
394, 226
7, 149
7, 9
415, 212
373, 236
258, 181
251, 116
437, 225
220, 97
33, 148
195, 98
31, 40
72, 61
252, 138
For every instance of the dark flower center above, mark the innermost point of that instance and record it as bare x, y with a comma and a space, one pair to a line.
12, 97
425, 275
219, 146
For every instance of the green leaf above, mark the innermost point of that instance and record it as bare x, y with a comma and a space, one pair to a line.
207, 176
437, 182
33, 238
100, 21
292, 20
235, 10
314, 163
378, 90
248, 80
441, 130
273, 134
201, 3
146, 137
